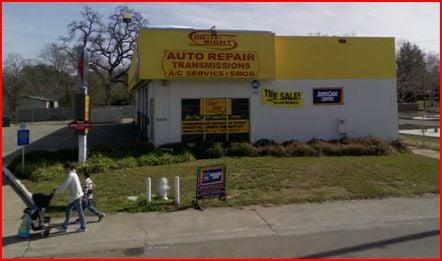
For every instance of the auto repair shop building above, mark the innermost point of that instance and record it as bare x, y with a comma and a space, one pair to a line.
194, 85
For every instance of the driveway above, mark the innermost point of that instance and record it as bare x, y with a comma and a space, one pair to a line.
56, 135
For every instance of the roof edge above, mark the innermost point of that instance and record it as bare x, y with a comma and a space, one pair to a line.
202, 29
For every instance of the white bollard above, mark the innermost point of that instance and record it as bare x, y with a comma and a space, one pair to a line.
149, 190
177, 190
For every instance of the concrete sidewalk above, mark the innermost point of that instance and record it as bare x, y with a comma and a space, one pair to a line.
432, 132
427, 153
250, 231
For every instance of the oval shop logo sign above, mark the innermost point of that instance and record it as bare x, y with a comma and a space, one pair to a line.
213, 40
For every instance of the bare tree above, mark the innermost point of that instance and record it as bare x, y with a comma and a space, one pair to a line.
432, 68
111, 43
62, 60
410, 72
13, 80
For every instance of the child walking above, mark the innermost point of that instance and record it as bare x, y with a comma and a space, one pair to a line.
88, 198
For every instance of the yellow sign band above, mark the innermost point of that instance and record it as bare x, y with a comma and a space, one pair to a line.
282, 98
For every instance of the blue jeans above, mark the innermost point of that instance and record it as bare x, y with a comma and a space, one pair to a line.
77, 204
90, 205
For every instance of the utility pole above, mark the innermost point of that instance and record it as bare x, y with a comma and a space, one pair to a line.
82, 104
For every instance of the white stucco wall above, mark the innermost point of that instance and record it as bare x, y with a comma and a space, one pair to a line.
369, 108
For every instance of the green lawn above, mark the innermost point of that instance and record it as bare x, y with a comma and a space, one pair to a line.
420, 142
270, 180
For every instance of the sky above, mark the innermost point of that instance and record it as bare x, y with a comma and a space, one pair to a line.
28, 27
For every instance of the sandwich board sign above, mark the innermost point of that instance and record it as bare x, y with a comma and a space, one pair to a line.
211, 182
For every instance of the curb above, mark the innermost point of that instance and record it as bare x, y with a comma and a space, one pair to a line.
19, 186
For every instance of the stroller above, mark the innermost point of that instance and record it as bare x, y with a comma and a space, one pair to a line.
37, 214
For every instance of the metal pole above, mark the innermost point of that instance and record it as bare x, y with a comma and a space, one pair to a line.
82, 148
82, 141
82, 138
177, 191
23, 159
149, 190
83, 86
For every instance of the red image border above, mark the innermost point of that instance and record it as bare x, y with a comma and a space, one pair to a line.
215, 1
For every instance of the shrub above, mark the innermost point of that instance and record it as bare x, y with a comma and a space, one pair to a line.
183, 157
125, 163
38, 172
317, 145
265, 142
351, 147
327, 148
43, 165
27, 171
148, 160
99, 163
301, 150
368, 141
207, 150
399, 145
166, 158
273, 150
161, 159
241, 149
46, 173
383, 148
215, 151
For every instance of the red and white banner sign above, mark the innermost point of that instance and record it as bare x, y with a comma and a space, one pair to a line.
80, 125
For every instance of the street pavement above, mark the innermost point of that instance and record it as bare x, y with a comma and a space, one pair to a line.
395, 227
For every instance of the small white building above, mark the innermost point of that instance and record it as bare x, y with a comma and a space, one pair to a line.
193, 85
35, 102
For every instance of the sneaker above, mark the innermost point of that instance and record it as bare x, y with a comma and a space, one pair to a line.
81, 230
101, 217
63, 229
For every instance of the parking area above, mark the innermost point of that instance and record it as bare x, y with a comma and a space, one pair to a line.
56, 135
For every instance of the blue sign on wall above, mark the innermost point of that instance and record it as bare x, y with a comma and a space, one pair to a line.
328, 96
255, 84
22, 137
